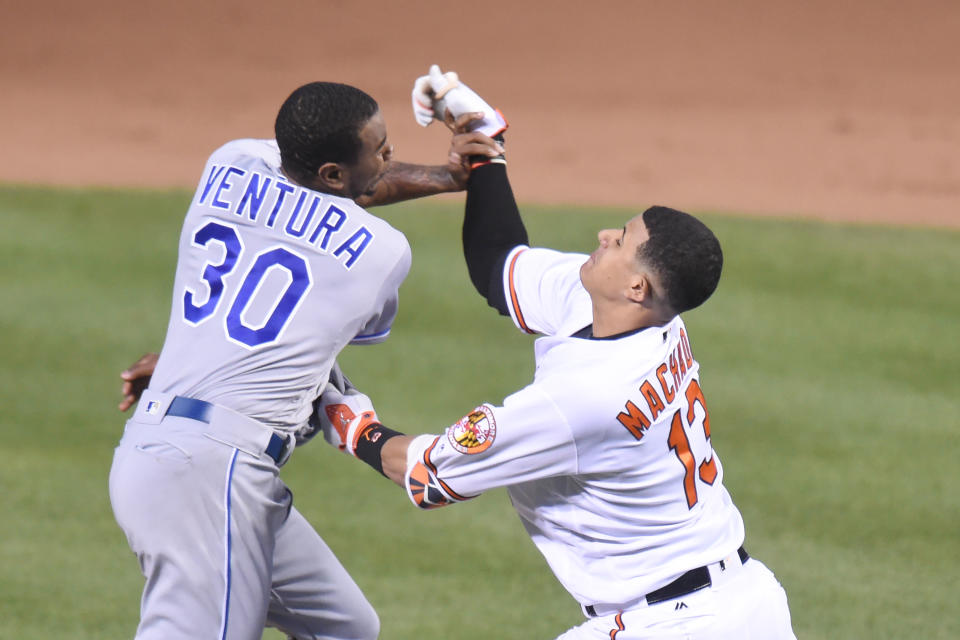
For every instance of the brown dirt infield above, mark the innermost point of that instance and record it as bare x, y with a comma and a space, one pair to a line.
835, 110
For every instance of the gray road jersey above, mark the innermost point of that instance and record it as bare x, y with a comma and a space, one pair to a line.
272, 281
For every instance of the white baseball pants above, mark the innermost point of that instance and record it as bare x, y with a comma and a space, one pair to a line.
746, 604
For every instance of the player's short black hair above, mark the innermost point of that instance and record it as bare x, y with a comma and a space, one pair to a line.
320, 122
684, 254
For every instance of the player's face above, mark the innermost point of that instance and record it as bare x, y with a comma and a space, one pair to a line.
608, 271
363, 175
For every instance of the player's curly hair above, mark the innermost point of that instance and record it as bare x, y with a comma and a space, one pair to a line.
320, 122
684, 254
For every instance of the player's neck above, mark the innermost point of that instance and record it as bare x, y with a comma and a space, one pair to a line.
614, 320
611, 324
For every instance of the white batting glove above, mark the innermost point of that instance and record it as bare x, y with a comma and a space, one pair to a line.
423, 94
436, 93
344, 417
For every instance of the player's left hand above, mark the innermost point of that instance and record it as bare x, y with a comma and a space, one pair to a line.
136, 378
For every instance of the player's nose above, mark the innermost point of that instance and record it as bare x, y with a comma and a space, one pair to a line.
604, 236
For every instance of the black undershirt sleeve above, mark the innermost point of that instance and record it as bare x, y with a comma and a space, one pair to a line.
491, 228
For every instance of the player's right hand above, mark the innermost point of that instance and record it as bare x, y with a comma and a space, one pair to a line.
344, 416
437, 94
467, 146
135, 378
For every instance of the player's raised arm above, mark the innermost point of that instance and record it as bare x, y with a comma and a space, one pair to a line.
402, 181
476, 127
492, 226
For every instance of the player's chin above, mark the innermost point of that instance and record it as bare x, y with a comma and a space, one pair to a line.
585, 267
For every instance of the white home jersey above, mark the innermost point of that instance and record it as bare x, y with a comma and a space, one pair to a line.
273, 280
606, 454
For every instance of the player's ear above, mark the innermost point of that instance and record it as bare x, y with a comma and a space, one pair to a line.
638, 288
331, 177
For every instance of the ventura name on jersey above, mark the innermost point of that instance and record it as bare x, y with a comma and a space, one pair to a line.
301, 214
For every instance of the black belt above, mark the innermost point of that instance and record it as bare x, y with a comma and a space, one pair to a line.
199, 410
691, 581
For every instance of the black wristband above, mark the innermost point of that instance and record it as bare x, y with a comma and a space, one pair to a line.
371, 441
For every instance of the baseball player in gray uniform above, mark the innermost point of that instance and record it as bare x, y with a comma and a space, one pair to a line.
607, 455
279, 268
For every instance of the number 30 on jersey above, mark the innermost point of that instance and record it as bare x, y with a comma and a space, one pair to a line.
275, 306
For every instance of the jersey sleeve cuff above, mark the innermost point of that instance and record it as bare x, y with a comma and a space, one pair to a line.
371, 338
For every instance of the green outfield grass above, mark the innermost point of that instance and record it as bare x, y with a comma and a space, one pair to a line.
830, 359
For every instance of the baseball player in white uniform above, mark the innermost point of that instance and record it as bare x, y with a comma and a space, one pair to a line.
607, 454
279, 268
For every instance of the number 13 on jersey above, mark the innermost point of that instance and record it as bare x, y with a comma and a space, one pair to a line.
679, 443
278, 303
691, 417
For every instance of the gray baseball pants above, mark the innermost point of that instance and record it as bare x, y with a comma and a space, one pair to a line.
222, 548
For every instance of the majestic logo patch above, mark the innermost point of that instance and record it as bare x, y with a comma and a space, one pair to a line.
153, 408
475, 432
